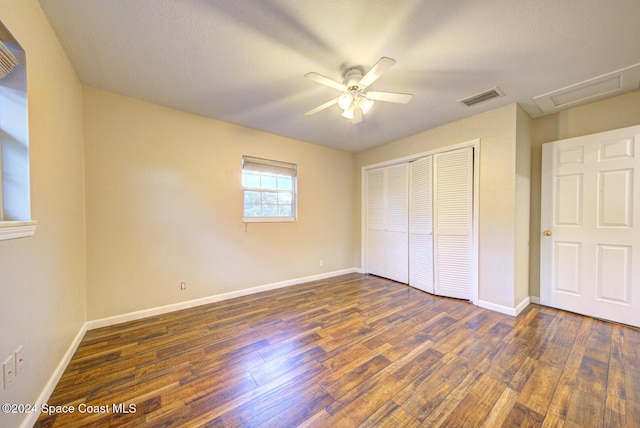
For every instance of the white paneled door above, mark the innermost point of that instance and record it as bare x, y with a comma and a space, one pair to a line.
590, 240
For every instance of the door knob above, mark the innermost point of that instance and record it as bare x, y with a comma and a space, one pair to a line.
547, 233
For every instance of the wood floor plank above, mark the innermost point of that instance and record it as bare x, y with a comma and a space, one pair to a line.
559, 404
585, 409
508, 361
288, 405
633, 414
615, 412
592, 377
363, 401
567, 331
501, 409
420, 360
522, 416
443, 413
539, 388
423, 396
555, 355
354, 350
482, 396
354, 375
324, 419
390, 415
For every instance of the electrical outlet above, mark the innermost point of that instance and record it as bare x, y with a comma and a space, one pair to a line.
183, 285
19, 360
8, 372
321, 262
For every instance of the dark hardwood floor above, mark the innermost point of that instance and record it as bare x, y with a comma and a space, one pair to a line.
351, 351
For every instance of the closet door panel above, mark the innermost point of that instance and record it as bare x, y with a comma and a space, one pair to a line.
397, 238
398, 198
421, 262
453, 266
387, 199
421, 224
376, 252
453, 222
397, 256
375, 218
376, 200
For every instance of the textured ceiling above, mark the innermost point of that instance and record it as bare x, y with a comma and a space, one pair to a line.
244, 61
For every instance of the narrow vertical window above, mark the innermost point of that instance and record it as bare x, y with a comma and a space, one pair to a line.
15, 199
270, 190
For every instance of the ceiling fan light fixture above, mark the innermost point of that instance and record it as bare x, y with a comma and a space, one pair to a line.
365, 104
357, 101
348, 114
345, 101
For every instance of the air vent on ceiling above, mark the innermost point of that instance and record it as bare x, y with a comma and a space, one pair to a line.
482, 97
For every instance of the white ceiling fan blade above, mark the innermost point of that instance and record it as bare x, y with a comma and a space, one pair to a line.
321, 107
376, 71
325, 81
392, 97
357, 115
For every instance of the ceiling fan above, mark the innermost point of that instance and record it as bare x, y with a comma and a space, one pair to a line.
355, 100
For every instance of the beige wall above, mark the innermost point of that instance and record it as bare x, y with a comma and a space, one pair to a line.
42, 278
524, 127
164, 205
612, 113
497, 224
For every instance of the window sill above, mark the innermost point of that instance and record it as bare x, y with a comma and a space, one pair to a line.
17, 229
269, 220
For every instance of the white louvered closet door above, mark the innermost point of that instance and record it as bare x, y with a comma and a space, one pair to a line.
453, 222
397, 236
387, 222
375, 222
421, 224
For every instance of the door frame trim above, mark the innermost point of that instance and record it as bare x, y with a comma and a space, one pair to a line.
476, 197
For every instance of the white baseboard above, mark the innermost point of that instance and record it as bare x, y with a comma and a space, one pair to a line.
132, 316
31, 418
522, 305
535, 299
505, 309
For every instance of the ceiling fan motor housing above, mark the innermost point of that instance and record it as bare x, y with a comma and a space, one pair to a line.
352, 77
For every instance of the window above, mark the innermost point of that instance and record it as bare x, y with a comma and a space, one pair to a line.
269, 189
15, 201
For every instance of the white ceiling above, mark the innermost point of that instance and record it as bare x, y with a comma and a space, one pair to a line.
244, 61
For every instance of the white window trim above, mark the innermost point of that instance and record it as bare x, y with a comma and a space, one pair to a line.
294, 191
17, 229
269, 220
